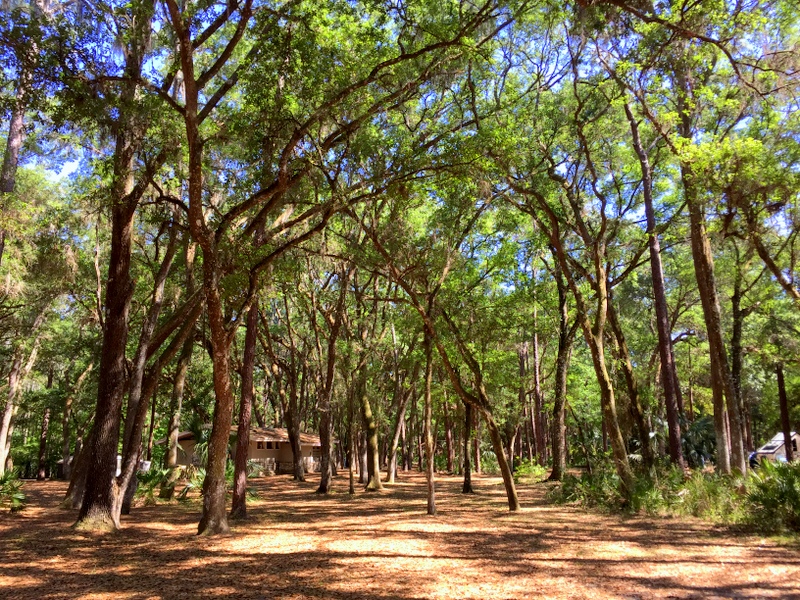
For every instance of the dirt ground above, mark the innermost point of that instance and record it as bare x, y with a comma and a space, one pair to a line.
296, 544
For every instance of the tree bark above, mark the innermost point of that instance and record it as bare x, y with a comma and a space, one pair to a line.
786, 425
42, 473
738, 316
325, 404
467, 487
239, 504
448, 436
66, 456
178, 387
428, 425
14, 140
399, 428
214, 517
538, 401
371, 430
730, 448
134, 419
77, 483
668, 372
14, 377
566, 335
101, 502
637, 411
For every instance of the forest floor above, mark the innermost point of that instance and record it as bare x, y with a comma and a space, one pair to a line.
296, 544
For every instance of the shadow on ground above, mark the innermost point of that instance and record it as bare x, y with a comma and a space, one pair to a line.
296, 544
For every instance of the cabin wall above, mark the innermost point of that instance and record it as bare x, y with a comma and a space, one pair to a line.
277, 459
186, 455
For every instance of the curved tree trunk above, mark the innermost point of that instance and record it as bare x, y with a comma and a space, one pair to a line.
98, 510
566, 335
325, 408
786, 425
239, 504
14, 378
668, 372
41, 471
101, 498
371, 430
428, 424
404, 395
637, 411
467, 487
176, 405
80, 469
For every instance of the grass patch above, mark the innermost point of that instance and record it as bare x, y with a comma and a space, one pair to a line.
766, 500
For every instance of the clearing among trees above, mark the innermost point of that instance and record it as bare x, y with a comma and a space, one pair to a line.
297, 544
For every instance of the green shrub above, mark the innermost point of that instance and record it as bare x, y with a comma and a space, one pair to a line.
600, 489
489, 464
774, 496
529, 471
11, 494
194, 481
667, 491
712, 497
149, 482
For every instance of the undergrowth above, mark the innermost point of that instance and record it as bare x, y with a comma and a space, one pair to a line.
529, 471
767, 500
11, 494
151, 481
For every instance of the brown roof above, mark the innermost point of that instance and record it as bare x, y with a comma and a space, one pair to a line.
183, 435
260, 434
278, 434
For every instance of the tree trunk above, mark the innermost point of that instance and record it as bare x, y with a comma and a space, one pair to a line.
730, 449
101, 501
239, 505
505, 469
14, 139
14, 378
538, 404
214, 517
467, 487
176, 405
448, 437
522, 395
351, 450
609, 408
371, 430
565, 338
42, 473
637, 412
739, 315
428, 425
399, 428
476, 443
785, 421
668, 372
77, 483
325, 404
66, 456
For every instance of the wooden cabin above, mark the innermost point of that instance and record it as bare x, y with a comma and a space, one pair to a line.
269, 447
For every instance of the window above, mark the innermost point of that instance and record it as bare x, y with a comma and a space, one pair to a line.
269, 445
259, 445
794, 445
